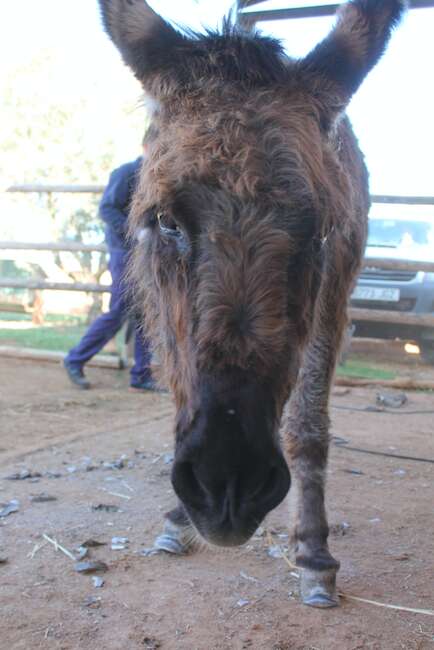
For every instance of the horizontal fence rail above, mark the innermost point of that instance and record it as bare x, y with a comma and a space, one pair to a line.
397, 317
358, 314
251, 16
98, 189
355, 313
18, 283
69, 246
58, 189
398, 265
402, 200
374, 262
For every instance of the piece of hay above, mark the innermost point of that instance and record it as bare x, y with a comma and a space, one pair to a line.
427, 612
58, 547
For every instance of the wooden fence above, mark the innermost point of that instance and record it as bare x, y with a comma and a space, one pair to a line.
404, 318
68, 246
37, 284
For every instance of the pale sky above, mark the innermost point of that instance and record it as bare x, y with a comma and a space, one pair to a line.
392, 114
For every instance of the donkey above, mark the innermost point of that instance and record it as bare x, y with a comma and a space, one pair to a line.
254, 201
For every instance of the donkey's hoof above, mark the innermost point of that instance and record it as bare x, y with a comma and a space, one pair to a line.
176, 538
318, 588
320, 600
169, 544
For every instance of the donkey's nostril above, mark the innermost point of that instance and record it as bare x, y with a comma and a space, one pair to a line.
272, 490
190, 478
270, 482
264, 487
186, 483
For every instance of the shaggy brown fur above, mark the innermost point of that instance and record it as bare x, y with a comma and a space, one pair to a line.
254, 199
266, 188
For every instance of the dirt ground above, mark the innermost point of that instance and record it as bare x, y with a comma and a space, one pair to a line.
207, 600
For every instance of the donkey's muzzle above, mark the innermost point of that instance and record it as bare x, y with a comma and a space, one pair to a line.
229, 470
225, 506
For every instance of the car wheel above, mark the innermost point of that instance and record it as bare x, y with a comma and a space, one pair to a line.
427, 351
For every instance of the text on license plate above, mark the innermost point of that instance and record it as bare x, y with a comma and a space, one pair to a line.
376, 293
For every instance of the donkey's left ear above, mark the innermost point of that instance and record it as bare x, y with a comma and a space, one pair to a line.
335, 69
148, 45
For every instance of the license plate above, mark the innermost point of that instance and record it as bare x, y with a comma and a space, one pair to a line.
376, 293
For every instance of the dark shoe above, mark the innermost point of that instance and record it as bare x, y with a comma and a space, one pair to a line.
147, 384
76, 375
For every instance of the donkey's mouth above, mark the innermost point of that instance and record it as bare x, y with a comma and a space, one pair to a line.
230, 516
223, 535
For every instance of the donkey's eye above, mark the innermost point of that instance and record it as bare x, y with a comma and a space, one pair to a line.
168, 225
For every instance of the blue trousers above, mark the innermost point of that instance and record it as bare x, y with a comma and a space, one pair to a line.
106, 326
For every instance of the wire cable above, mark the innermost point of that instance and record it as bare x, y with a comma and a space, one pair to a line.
341, 443
377, 409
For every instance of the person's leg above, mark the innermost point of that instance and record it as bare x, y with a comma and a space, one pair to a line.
106, 326
141, 375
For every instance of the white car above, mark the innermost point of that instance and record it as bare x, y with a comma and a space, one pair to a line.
399, 233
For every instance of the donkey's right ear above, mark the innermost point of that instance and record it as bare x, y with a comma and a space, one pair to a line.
148, 45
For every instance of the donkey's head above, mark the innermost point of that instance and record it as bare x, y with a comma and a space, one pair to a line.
242, 183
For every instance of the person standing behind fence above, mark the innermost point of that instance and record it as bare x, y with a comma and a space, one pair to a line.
113, 210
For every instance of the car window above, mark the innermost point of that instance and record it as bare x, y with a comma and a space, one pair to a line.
394, 233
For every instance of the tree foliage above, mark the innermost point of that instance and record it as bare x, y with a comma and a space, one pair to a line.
60, 129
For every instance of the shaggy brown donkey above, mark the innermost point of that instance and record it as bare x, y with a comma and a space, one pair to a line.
254, 201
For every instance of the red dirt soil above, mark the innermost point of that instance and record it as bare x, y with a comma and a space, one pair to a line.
210, 599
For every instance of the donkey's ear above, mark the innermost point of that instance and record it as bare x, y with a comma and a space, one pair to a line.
146, 42
338, 65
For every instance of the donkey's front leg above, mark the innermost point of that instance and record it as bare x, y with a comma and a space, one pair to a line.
306, 427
